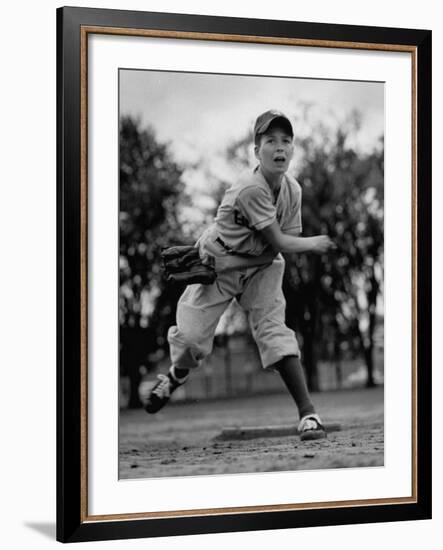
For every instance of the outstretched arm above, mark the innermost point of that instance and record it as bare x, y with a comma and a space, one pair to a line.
283, 242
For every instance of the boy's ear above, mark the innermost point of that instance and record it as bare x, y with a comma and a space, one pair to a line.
256, 149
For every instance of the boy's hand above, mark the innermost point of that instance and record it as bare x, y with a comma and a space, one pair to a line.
322, 244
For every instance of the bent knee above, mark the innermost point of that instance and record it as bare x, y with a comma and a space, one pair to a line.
270, 330
187, 336
189, 339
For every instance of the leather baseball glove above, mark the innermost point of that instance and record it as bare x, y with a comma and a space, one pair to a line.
183, 265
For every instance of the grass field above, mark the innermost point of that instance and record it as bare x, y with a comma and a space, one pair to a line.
181, 439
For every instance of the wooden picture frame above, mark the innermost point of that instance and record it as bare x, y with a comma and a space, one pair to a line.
74, 26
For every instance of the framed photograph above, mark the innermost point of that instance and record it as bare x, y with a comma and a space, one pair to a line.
244, 274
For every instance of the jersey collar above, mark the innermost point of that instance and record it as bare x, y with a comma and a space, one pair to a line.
283, 183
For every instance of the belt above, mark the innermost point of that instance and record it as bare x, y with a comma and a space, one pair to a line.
228, 249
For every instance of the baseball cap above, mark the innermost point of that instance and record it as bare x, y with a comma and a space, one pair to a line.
264, 120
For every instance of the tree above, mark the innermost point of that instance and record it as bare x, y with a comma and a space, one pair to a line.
337, 294
150, 192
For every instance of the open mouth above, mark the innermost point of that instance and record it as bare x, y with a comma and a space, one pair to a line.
280, 160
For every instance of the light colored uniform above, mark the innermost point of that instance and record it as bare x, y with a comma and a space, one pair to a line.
247, 269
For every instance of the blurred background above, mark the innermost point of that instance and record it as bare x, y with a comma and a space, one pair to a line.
184, 139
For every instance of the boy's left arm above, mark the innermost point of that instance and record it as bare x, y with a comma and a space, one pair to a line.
294, 232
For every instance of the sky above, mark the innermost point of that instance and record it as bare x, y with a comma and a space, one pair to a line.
200, 114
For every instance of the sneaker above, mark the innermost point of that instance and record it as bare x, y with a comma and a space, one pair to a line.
161, 392
310, 428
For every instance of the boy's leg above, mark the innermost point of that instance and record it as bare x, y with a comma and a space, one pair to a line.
198, 312
291, 371
264, 301
179, 374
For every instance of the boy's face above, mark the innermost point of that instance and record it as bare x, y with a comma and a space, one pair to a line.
275, 150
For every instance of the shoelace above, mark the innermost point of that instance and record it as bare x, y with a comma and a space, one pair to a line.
309, 423
163, 387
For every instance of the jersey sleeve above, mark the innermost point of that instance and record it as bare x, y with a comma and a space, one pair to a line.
255, 206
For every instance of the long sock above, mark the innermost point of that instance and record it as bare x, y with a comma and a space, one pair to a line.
178, 374
293, 376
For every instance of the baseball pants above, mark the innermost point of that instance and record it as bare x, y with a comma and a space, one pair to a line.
259, 292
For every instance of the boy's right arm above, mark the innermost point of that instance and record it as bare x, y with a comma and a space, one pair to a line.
283, 242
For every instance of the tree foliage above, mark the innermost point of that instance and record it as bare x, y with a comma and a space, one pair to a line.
150, 191
332, 299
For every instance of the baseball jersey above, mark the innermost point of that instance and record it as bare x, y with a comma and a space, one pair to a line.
249, 206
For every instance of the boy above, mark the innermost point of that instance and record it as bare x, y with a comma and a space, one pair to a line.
259, 218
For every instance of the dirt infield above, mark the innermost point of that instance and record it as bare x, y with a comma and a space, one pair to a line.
181, 440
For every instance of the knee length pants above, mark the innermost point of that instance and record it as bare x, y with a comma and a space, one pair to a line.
259, 292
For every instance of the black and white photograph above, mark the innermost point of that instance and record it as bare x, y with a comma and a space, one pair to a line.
220, 326
251, 274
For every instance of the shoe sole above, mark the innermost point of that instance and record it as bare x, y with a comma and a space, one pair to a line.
152, 409
313, 435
